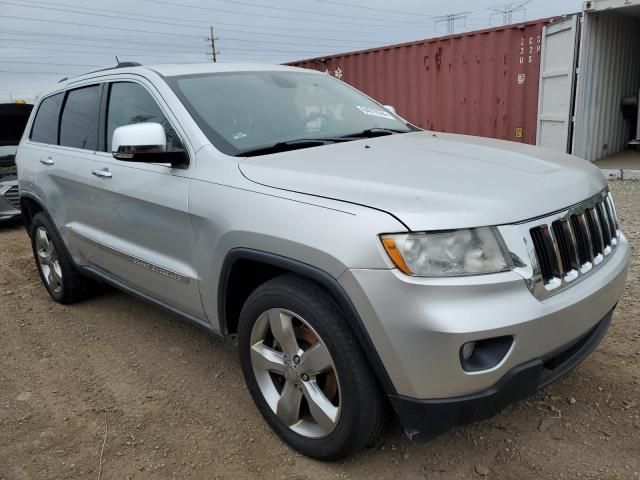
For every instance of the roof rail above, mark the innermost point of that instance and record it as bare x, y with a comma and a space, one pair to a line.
119, 65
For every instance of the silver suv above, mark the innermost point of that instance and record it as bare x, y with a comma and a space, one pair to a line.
362, 266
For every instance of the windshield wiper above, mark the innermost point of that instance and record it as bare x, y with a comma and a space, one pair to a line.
289, 145
301, 143
375, 132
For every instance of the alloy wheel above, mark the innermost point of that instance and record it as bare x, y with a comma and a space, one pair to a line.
48, 260
295, 373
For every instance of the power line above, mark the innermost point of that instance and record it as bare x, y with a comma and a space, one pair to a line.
304, 37
507, 10
273, 42
232, 39
93, 9
451, 19
56, 64
35, 73
288, 10
93, 38
272, 50
109, 52
22, 41
249, 32
87, 10
93, 25
193, 59
350, 5
163, 33
235, 2
103, 15
154, 53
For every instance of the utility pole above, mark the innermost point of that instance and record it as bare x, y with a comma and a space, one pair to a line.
450, 20
507, 10
213, 39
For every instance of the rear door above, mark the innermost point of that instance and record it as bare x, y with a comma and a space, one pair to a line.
60, 151
557, 84
146, 236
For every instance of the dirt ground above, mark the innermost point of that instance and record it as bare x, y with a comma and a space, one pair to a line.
173, 404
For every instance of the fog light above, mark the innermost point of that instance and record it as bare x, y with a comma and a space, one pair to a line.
467, 350
484, 354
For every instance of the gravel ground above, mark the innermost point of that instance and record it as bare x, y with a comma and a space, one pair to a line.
172, 401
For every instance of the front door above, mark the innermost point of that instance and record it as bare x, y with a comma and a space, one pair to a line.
146, 237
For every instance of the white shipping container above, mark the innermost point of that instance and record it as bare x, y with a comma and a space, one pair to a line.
590, 64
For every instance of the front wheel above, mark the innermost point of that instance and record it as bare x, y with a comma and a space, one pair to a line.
306, 372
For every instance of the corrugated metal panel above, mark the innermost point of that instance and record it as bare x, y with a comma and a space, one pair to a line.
600, 5
478, 83
609, 71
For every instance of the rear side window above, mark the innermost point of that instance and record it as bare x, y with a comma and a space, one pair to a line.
45, 125
130, 103
79, 124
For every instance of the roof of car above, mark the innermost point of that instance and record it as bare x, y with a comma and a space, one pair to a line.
170, 70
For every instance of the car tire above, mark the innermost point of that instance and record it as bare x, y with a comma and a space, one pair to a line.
331, 368
58, 273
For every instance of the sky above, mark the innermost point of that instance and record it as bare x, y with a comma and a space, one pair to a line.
42, 41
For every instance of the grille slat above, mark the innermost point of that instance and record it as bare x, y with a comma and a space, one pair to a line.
583, 238
13, 196
574, 244
611, 213
604, 224
548, 257
595, 229
566, 241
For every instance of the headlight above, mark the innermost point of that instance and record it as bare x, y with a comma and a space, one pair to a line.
448, 254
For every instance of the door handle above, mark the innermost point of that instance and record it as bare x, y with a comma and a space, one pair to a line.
47, 161
104, 173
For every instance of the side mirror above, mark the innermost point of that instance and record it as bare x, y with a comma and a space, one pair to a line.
391, 108
144, 143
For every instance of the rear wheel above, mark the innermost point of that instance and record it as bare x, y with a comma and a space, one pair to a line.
305, 371
57, 271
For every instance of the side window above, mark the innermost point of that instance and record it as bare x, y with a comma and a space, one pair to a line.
79, 124
130, 103
45, 125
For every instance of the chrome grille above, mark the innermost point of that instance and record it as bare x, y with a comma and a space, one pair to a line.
571, 246
13, 196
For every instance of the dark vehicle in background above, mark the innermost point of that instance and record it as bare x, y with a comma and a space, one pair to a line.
13, 119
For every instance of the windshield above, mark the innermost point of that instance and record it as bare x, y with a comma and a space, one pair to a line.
242, 112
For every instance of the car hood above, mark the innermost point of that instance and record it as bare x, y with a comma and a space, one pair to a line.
435, 181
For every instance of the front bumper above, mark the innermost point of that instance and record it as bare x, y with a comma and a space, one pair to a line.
418, 325
423, 420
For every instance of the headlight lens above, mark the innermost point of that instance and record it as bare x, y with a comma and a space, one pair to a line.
448, 254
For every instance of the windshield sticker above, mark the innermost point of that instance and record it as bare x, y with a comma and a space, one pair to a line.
239, 135
375, 112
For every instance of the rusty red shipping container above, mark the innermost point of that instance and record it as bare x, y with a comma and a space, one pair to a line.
477, 83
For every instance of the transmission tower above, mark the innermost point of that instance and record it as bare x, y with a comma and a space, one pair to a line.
450, 20
507, 10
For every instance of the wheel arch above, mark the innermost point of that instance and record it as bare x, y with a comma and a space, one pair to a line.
268, 265
30, 206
